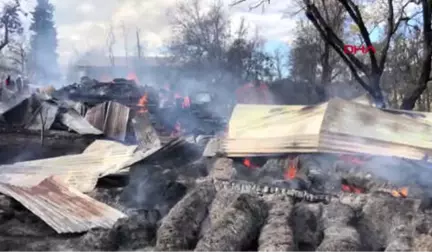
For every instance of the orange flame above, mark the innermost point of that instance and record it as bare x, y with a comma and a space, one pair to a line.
291, 172
400, 193
351, 189
248, 163
142, 103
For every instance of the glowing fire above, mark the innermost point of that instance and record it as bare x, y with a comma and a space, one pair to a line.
132, 76
291, 171
351, 189
249, 164
142, 103
400, 193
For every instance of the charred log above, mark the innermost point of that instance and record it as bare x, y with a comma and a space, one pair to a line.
339, 234
387, 222
180, 229
305, 221
276, 234
238, 228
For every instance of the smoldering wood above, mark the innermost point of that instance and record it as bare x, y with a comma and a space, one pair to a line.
17, 144
305, 218
386, 221
338, 233
276, 234
222, 168
180, 228
222, 199
247, 187
238, 228
422, 243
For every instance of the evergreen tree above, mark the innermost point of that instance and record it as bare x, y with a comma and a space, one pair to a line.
43, 55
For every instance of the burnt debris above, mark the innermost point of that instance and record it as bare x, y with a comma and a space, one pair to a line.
117, 166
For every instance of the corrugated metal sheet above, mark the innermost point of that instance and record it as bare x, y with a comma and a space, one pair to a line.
82, 170
64, 209
116, 121
110, 117
96, 116
9, 100
48, 112
76, 122
145, 133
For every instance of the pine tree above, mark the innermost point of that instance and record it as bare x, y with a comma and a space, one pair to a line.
43, 56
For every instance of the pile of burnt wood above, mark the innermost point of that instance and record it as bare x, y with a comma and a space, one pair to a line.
224, 204
183, 200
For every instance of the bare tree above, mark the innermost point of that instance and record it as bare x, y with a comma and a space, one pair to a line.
414, 94
125, 38
18, 51
138, 44
279, 62
110, 41
375, 69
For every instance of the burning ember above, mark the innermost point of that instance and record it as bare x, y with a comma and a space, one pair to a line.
291, 171
351, 189
400, 193
142, 103
248, 163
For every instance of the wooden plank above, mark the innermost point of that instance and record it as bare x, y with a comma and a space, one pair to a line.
336, 127
253, 121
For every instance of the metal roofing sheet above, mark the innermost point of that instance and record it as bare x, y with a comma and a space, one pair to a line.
76, 122
9, 100
110, 117
44, 116
116, 121
64, 209
96, 115
81, 170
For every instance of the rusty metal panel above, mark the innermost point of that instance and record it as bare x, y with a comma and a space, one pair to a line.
64, 209
76, 122
96, 116
116, 121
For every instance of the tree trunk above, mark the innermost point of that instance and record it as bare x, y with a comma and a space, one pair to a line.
409, 100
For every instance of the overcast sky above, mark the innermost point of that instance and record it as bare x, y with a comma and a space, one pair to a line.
84, 24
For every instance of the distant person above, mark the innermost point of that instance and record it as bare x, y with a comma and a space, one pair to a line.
8, 82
